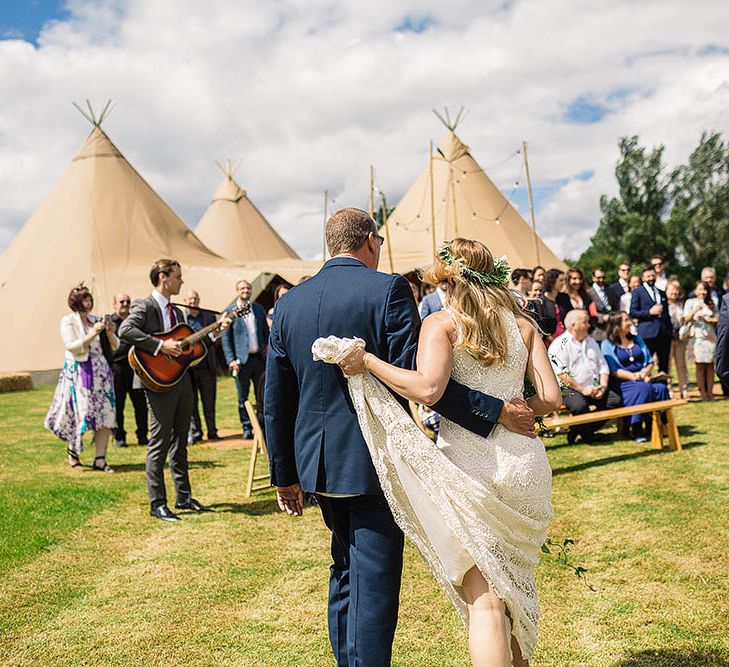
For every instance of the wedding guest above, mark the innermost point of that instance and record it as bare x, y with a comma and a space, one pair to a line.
204, 376
522, 280
538, 274
124, 380
576, 292
700, 313
537, 290
649, 306
579, 364
554, 300
708, 276
661, 277
621, 287
432, 302
84, 397
415, 288
536, 308
600, 307
277, 294
624, 302
678, 346
631, 365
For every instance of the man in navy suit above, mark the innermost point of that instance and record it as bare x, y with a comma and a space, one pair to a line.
617, 289
722, 342
314, 441
244, 346
649, 306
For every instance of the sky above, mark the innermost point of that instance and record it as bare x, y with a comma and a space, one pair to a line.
309, 94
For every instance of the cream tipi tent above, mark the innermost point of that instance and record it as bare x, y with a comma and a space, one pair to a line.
466, 203
233, 227
104, 225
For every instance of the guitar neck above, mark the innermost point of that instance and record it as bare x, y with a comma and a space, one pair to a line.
199, 335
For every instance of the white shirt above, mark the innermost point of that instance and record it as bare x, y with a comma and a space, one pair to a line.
661, 282
652, 292
600, 291
162, 301
624, 285
581, 359
625, 302
250, 322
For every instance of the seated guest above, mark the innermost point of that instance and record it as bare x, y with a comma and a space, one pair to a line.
580, 366
631, 364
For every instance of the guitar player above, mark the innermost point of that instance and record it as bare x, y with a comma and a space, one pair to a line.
170, 411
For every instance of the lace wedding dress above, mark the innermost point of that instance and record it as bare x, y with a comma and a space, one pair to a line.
466, 500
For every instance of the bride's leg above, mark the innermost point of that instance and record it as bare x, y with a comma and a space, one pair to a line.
488, 628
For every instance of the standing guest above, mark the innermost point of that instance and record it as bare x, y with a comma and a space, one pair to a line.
433, 302
536, 308
579, 364
661, 277
708, 276
576, 292
522, 280
649, 306
600, 307
722, 342
171, 411
244, 345
538, 274
204, 375
84, 397
625, 299
124, 380
699, 312
554, 301
617, 289
678, 346
537, 290
631, 364
277, 294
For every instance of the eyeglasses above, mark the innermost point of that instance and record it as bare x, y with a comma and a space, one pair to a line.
380, 239
124, 301
656, 264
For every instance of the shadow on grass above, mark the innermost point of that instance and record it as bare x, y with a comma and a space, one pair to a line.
663, 658
684, 430
137, 467
597, 463
254, 508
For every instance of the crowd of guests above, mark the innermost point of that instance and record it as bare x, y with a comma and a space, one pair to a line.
611, 343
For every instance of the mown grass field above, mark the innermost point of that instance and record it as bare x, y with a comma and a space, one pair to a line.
88, 578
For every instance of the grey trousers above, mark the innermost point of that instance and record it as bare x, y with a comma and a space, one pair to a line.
169, 423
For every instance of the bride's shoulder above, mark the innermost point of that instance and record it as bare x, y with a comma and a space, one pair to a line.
441, 319
526, 328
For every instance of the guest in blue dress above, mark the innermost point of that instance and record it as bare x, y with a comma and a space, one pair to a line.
631, 364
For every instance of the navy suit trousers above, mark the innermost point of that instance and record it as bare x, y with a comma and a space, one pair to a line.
364, 581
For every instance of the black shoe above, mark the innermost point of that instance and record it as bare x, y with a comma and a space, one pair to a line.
248, 433
213, 436
143, 441
120, 443
572, 436
163, 513
193, 505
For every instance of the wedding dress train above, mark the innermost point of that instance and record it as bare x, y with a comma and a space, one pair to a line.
466, 500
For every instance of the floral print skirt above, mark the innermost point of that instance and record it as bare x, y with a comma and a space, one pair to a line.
83, 401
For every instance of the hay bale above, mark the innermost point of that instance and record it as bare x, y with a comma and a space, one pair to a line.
15, 382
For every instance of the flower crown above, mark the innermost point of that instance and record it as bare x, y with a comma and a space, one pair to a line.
499, 275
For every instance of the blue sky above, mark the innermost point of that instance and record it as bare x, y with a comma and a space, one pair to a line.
23, 19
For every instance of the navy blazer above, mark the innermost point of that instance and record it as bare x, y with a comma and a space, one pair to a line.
614, 292
312, 430
722, 341
650, 326
235, 337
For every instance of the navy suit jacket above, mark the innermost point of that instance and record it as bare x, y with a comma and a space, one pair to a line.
235, 337
722, 341
312, 430
614, 292
650, 326
431, 303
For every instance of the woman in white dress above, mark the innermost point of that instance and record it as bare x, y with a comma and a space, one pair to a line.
477, 509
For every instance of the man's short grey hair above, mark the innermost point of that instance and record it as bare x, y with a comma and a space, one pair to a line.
708, 268
242, 280
347, 230
571, 317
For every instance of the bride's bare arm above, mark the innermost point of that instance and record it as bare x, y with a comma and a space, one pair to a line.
434, 362
539, 371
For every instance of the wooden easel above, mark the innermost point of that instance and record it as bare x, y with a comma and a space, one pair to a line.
258, 446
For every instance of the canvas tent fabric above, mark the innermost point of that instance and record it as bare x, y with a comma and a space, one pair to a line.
104, 225
467, 204
234, 228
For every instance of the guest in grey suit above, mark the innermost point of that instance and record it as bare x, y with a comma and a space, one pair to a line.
600, 305
169, 412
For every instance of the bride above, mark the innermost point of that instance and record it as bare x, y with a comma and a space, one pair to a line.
477, 508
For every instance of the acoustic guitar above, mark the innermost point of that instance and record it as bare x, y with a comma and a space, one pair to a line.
161, 372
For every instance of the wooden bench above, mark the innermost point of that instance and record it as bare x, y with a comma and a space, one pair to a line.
258, 447
658, 431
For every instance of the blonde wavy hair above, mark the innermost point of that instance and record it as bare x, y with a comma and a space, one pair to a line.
475, 307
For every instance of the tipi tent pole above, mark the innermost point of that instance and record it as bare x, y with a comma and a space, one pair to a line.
452, 184
372, 191
531, 203
432, 196
324, 229
387, 232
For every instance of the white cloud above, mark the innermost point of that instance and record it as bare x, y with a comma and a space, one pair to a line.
311, 93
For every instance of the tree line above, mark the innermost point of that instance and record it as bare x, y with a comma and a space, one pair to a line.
680, 214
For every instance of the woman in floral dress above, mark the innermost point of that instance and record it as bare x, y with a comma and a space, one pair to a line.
84, 398
700, 313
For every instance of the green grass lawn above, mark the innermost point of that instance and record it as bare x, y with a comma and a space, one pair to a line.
88, 578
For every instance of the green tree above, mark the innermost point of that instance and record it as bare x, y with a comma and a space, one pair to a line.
633, 224
699, 220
